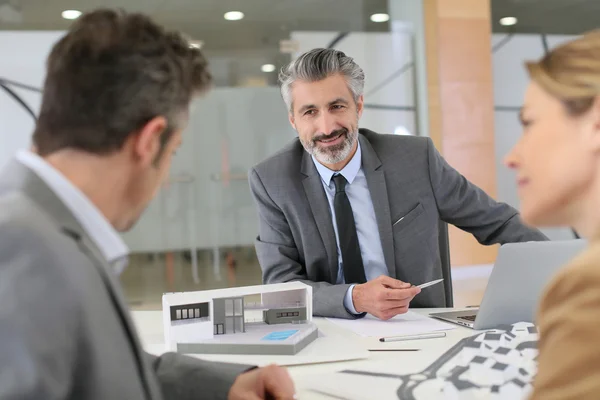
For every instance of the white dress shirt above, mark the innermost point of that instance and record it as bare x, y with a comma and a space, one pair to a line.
367, 229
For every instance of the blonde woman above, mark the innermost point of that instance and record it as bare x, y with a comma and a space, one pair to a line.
558, 172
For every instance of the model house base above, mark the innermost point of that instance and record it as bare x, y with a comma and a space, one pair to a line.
286, 339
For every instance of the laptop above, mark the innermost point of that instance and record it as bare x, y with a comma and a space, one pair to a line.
519, 276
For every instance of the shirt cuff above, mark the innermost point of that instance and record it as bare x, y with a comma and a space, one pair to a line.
348, 301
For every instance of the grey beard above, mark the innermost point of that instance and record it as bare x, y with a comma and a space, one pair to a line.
334, 154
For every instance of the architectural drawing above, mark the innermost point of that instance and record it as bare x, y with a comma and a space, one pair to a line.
497, 364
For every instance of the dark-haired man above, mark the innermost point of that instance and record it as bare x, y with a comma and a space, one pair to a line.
116, 99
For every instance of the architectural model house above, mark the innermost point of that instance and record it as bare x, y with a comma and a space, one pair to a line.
267, 319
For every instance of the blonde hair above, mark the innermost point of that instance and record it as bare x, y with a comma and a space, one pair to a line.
571, 72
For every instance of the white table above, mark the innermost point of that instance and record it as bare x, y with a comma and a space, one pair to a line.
149, 324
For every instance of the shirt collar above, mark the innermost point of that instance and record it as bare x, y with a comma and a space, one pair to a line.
87, 214
349, 171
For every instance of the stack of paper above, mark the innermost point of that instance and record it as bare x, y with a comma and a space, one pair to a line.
406, 324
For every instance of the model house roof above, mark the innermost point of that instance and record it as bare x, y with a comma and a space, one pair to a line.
182, 298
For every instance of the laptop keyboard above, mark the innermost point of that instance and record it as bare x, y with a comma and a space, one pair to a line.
468, 318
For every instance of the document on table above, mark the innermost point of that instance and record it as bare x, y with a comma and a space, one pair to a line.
496, 364
405, 324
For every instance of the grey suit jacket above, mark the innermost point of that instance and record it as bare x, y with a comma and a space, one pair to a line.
412, 188
65, 331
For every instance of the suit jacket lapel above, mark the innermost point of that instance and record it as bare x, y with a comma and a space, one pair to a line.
105, 269
375, 175
313, 187
17, 177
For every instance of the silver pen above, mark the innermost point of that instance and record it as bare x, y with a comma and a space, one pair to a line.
432, 335
427, 284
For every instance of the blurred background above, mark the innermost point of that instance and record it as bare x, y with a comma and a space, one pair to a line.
199, 231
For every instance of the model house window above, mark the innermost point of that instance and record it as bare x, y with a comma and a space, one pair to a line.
234, 315
229, 308
239, 307
190, 311
229, 325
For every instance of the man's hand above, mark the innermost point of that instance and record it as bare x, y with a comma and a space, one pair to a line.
270, 382
383, 297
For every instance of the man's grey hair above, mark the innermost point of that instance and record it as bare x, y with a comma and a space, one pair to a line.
318, 64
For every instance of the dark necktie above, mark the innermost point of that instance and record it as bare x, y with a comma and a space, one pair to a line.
354, 271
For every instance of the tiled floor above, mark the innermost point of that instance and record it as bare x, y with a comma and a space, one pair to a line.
148, 277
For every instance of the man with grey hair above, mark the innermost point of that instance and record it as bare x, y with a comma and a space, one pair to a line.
354, 213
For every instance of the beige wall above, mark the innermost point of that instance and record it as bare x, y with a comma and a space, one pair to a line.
461, 103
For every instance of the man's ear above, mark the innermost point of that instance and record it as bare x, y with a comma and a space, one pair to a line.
148, 141
292, 121
360, 105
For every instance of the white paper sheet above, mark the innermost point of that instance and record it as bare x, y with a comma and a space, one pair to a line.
406, 324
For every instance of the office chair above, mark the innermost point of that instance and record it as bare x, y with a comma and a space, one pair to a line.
445, 261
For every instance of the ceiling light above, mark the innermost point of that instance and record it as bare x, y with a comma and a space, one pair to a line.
267, 68
71, 14
380, 17
508, 21
233, 15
